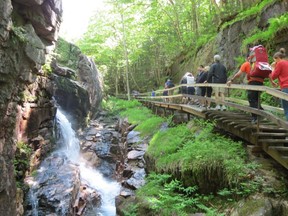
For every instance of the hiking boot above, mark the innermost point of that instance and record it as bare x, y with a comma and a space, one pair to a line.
218, 107
223, 108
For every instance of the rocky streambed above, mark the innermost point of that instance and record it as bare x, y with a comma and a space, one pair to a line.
89, 169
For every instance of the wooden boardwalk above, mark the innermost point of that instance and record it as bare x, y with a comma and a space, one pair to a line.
269, 134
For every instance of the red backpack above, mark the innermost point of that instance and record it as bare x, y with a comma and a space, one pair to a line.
259, 59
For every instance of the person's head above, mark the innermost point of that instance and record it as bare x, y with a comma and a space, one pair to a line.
206, 68
201, 68
217, 58
279, 55
190, 74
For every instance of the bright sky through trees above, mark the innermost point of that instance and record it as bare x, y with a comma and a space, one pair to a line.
76, 15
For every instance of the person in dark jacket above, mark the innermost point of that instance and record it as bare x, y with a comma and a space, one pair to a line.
218, 74
199, 74
205, 91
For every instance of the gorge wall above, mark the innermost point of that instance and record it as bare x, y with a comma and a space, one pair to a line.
28, 34
28, 29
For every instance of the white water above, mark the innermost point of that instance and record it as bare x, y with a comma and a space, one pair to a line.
69, 147
108, 189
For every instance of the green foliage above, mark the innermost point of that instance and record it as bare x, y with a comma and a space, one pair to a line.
67, 54
115, 106
20, 33
179, 147
47, 69
149, 125
167, 196
276, 25
21, 161
131, 210
255, 10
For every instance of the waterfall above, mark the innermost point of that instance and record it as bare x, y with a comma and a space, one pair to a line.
108, 189
69, 152
69, 144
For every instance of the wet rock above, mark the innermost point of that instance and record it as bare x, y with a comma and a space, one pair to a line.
134, 154
87, 197
89, 138
86, 145
57, 186
92, 158
125, 192
73, 98
254, 206
137, 180
133, 137
93, 131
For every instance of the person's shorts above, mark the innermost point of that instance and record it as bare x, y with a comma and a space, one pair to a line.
218, 90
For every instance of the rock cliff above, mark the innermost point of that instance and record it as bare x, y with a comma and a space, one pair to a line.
27, 29
78, 87
28, 34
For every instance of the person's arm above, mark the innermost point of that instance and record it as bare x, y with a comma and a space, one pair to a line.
275, 74
238, 74
210, 73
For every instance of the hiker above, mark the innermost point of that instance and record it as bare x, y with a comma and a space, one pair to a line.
280, 72
183, 89
190, 89
255, 76
169, 84
252, 95
199, 74
218, 74
205, 91
165, 92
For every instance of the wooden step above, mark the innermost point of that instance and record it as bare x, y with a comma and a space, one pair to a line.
278, 148
273, 140
260, 134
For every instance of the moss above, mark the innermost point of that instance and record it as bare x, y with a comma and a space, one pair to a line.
251, 207
67, 54
276, 25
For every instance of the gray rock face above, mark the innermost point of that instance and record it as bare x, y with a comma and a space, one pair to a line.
5, 19
73, 98
25, 107
45, 16
89, 76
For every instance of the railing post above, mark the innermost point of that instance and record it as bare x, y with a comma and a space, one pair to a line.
258, 106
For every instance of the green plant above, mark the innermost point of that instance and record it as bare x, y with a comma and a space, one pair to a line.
167, 196
276, 25
47, 69
20, 33
21, 161
131, 210
248, 12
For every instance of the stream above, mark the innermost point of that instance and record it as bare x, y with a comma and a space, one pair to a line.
62, 175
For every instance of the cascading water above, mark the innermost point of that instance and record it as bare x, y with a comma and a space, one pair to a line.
108, 189
69, 155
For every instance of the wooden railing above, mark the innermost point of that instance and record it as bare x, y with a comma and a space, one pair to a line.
274, 114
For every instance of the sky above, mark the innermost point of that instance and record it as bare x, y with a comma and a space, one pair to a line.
76, 15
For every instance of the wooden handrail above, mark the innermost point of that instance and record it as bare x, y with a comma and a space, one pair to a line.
271, 91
